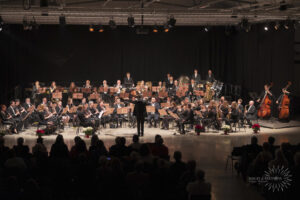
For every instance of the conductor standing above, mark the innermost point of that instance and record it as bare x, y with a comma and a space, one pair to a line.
140, 113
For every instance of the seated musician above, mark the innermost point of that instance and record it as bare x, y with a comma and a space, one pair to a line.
196, 77
160, 86
118, 87
166, 120
49, 117
44, 102
33, 117
87, 84
83, 101
52, 87
191, 89
211, 115
128, 82
104, 94
13, 111
186, 117
23, 113
103, 118
234, 112
72, 87
210, 77
84, 117
153, 115
266, 93
167, 80
118, 118
69, 106
7, 119
62, 116
251, 113
224, 110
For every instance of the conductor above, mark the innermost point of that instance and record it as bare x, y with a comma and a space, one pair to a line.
140, 113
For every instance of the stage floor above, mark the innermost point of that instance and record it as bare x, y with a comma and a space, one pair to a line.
210, 150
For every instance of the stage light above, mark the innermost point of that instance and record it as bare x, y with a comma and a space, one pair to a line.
91, 29
130, 21
62, 20
206, 28
286, 25
101, 29
266, 28
166, 28
1, 24
112, 24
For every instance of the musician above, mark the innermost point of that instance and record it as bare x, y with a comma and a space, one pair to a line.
241, 111
105, 96
234, 113
250, 113
128, 82
118, 87
140, 113
52, 87
224, 110
49, 117
84, 117
23, 113
266, 92
160, 86
153, 115
211, 115
196, 77
44, 102
103, 118
172, 91
13, 111
87, 84
69, 106
118, 118
170, 83
36, 92
191, 89
8, 119
83, 101
284, 92
210, 77
187, 117
166, 120
167, 80
72, 88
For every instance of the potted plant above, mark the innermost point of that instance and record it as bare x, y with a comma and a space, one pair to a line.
88, 131
40, 132
226, 129
199, 128
256, 128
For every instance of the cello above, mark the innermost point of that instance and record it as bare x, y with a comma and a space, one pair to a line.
264, 110
284, 103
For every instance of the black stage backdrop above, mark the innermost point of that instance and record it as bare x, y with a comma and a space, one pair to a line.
75, 54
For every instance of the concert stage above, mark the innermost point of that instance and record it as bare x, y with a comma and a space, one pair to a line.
275, 124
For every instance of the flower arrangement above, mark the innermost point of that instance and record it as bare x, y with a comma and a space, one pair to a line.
199, 128
255, 128
226, 129
40, 132
88, 131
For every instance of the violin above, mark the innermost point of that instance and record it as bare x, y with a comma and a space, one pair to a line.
264, 110
284, 103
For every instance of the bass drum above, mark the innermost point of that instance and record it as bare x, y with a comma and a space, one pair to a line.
184, 80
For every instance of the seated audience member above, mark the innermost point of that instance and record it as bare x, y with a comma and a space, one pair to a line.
271, 141
119, 149
78, 148
135, 145
59, 149
199, 189
14, 164
39, 148
159, 149
188, 176
21, 150
288, 152
178, 167
3, 151
279, 161
260, 163
97, 149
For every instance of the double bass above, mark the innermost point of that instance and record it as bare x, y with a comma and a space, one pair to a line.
264, 110
284, 103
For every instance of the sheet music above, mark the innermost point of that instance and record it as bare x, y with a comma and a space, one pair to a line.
100, 114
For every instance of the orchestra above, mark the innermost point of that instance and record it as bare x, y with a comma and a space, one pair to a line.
183, 101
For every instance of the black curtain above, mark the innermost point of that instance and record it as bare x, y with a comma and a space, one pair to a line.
75, 54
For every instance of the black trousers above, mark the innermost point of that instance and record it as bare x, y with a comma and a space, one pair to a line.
140, 125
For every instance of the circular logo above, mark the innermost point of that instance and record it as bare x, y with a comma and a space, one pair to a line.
277, 178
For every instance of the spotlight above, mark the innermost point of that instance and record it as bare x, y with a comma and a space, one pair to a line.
130, 21
112, 24
266, 28
286, 25
1, 24
206, 28
62, 20
101, 29
166, 28
91, 29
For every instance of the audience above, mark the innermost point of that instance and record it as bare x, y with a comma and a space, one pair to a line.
137, 171
199, 189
